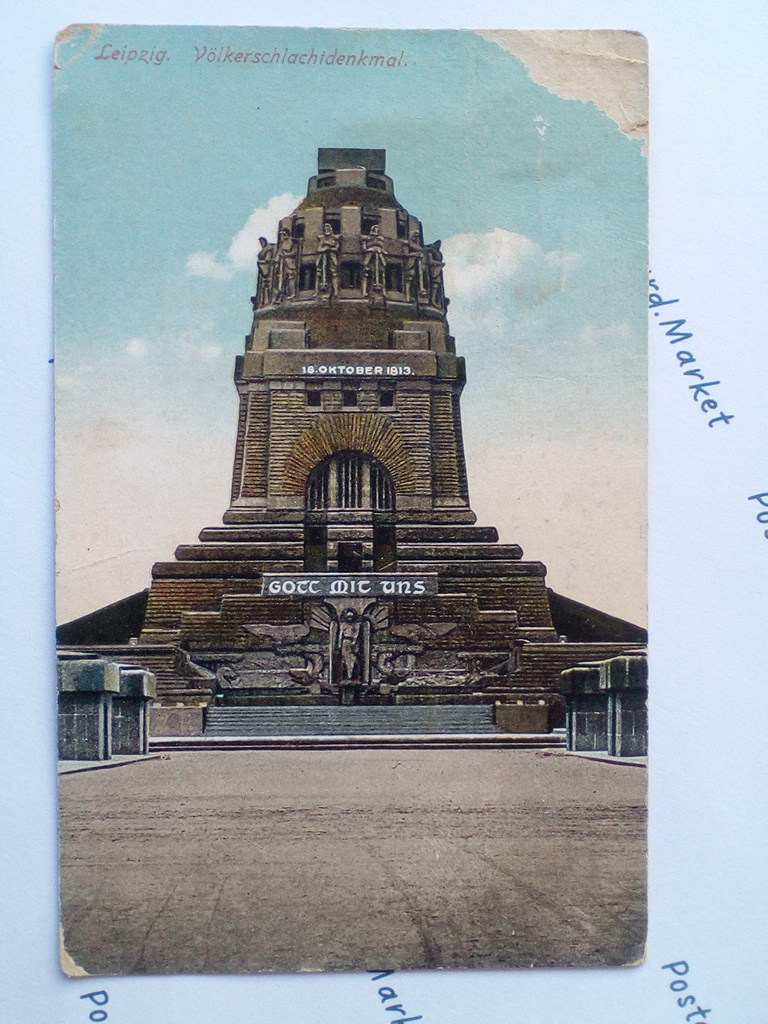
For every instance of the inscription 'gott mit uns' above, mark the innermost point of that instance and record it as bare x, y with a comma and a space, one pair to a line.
348, 585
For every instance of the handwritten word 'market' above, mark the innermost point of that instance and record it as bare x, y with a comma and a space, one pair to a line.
387, 995
702, 394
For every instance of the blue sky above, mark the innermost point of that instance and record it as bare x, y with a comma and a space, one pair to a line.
541, 205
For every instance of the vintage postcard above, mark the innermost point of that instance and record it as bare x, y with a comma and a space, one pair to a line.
361, 631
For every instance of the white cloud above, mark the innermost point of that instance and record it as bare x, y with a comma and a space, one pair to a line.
205, 264
136, 347
501, 283
245, 245
481, 262
262, 222
499, 261
187, 340
210, 351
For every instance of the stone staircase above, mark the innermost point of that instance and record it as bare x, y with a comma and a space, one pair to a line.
361, 720
336, 726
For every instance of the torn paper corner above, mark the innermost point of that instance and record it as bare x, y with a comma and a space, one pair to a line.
67, 40
68, 965
641, 959
607, 67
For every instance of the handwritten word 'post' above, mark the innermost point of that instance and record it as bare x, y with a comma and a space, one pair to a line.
762, 517
99, 999
679, 969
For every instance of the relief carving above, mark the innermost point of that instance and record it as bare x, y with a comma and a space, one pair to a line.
421, 632
350, 624
394, 667
265, 634
349, 647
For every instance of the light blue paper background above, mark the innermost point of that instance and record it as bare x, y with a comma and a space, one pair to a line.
708, 554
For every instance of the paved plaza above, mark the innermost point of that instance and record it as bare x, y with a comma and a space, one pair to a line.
253, 860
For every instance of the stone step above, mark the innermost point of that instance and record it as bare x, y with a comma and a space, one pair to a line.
437, 534
337, 720
407, 533
507, 571
202, 569
420, 551
266, 551
170, 693
262, 551
506, 740
249, 534
454, 562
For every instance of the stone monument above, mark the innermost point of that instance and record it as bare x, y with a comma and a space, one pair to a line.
349, 568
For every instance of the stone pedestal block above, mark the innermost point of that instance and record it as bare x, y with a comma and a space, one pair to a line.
587, 726
626, 682
522, 717
587, 708
606, 706
628, 715
86, 690
130, 711
176, 721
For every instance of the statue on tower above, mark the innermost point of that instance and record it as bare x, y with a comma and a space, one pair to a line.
287, 265
265, 280
435, 271
374, 261
416, 284
327, 262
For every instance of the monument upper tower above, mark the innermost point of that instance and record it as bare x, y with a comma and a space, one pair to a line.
349, 385
351, 247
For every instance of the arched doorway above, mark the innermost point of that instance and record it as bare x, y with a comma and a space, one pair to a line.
350, 480
356, 483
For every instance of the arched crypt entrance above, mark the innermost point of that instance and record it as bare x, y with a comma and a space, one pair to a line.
350, 515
